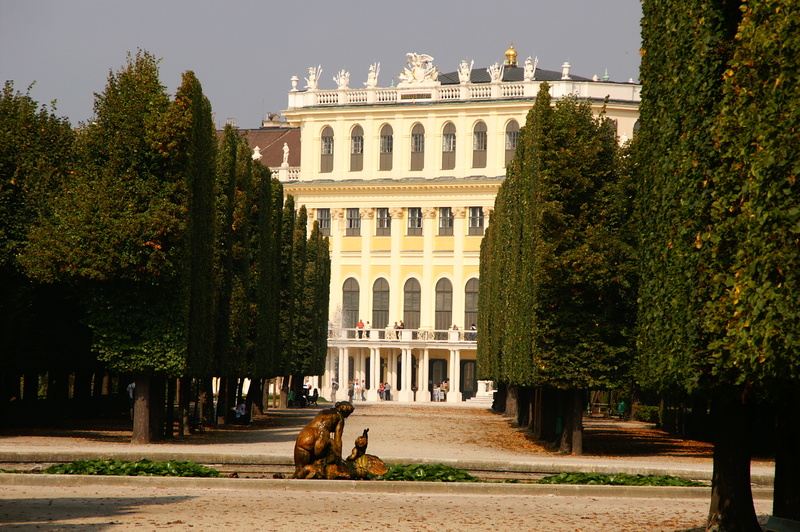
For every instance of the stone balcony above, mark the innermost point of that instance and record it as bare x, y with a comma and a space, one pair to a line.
386, 337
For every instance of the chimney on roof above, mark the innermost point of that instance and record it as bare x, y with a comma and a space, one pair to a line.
565, 70
231, 122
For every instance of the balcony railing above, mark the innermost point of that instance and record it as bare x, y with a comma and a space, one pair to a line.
598, 90
337, 334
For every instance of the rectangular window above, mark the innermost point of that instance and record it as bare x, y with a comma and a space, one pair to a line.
357, 145
327, 145
387, 144
476, 220
353, 221
449, 142
511, 140
445, 221
418, 143
479, 149
414, 221
383, 222
479, 141
324, 219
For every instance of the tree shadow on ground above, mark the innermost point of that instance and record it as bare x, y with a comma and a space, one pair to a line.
55, 513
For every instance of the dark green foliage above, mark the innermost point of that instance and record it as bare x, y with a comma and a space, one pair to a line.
557, 289
428, 473
311, 338
269, 260
118, 226
200, 149
288, 309
37, 156
685, 49
169, 468
620, 479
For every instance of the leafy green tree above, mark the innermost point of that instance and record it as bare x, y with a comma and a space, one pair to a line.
36, 158
269, 267
311, 343
561, 290
118, 228
755, 231
288, 312
711, 155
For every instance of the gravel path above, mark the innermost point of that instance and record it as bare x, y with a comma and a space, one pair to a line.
436, 432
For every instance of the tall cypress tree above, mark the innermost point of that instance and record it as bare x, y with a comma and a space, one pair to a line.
755, 230
686, 252
559, 285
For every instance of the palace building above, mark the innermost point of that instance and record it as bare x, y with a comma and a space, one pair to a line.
403, 180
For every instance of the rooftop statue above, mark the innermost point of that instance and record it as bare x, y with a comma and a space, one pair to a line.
495, 72
372, 77
464, 71
312, 81
529, 73
342, 79
419, 70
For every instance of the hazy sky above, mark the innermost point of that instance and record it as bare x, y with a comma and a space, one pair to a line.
244, 52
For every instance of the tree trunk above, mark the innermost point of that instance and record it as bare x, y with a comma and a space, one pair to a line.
731, 507
499, 397
265, 395
141, 411
786, 495
572, 415
157, 407
512, 403
207, 401
255, 397
285, 384
184, 398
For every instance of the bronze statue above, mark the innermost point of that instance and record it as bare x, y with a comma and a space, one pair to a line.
358, 466
314, 441
316, 455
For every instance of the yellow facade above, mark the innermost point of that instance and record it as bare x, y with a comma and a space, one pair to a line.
405, 179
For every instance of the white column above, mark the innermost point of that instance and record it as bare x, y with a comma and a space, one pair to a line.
374, 373
423, 395
405, 395
344, 359
454, 395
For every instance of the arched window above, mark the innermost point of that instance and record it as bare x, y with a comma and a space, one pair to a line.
512, 134
471, 303
387, 148
380, 303
417, 147
444, 305
411, 303
326, 150
479, 145
357, 149
449, 147
350, 295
